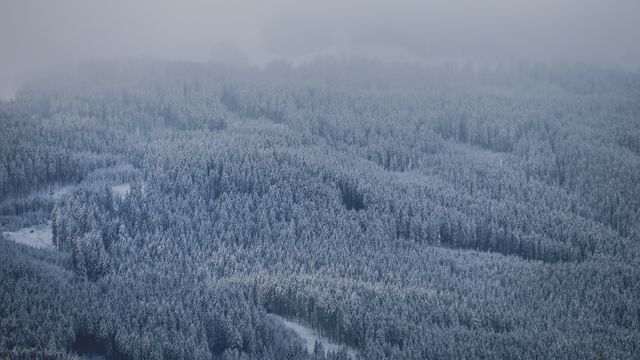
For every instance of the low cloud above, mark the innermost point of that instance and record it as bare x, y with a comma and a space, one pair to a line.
36, 35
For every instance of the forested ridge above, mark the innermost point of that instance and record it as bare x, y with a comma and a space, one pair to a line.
407, 211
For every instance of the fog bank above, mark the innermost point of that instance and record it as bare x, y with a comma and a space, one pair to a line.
36, 35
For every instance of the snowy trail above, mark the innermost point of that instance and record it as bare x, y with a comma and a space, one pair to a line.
309, 336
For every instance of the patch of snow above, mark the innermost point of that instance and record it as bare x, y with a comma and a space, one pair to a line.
39, 236
62, 191
121, 190
310, 336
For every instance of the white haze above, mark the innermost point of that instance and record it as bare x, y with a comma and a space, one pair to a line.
37, 35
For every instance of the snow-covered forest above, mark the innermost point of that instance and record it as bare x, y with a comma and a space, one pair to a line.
400, 211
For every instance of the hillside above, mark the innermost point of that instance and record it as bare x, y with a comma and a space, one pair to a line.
403, 211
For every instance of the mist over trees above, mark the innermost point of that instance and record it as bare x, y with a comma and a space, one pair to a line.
407, 211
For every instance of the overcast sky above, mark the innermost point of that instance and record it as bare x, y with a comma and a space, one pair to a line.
38, 34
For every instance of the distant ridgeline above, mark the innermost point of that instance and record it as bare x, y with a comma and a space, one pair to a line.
407, 212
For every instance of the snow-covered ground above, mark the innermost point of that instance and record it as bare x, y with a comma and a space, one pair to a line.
121, 190
58, 192
61, 191
38, 236
309, 336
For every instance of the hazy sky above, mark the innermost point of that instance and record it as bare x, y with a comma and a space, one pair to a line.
39, 34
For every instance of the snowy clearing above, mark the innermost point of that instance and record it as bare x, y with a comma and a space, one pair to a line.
121, 190
39, 236
309, 336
